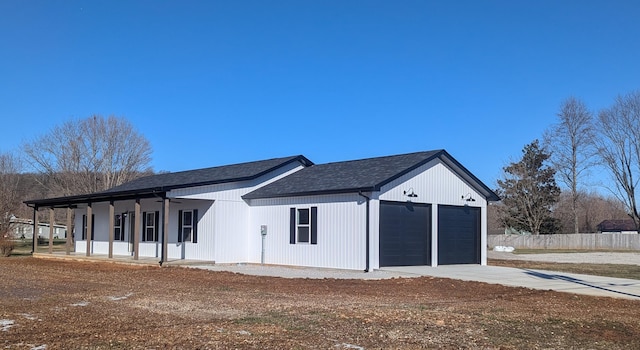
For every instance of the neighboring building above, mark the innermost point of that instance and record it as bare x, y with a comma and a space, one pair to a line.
617, 226
420, 208
23, 229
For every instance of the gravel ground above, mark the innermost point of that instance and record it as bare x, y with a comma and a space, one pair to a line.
630, 258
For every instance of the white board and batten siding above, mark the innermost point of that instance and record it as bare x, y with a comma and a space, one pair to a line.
176, 250
436, 184
341, 232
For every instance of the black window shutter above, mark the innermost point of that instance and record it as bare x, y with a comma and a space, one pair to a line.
292, 226
93, 226
314, 225
194, 223
179, 225
122, 227
144, 226
84, 228
157, 226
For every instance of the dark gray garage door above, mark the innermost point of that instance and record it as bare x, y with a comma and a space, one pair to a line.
458, 235
405, 234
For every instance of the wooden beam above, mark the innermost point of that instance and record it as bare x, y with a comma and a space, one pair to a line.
89, 230
165, 230
69, 232
136, 230
111, 229
52, 218
34, 248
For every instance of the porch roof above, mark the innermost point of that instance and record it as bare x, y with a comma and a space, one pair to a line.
158, 185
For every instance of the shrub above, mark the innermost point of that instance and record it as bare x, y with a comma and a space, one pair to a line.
6, 247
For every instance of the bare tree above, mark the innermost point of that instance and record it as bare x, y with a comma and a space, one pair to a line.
592, 207
570, 144
10, 196
89, 155
528, 190
618, 145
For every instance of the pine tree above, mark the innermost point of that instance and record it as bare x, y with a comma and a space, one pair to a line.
529, 191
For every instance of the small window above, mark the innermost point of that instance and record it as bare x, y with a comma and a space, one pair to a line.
188, 226
304, 225
117, 228
150, 226
84, 227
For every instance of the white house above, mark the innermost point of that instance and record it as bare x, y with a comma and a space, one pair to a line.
420, 208
23, 229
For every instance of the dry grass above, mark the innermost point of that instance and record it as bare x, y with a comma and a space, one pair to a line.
608, 270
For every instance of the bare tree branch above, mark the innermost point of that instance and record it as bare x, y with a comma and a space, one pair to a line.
89, 155
10, 196
618, 146
570, 143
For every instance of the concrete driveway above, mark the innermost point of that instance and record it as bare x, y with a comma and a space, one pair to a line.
536, 279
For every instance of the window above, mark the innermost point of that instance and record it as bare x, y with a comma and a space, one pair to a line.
188, 226
303, 225
117, 228
150, 226
84, 226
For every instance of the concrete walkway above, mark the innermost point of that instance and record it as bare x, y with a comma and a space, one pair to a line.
535, 279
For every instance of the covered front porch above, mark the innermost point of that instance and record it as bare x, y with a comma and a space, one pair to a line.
132, 226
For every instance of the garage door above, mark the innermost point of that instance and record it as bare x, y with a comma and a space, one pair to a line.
458, 235
405, 234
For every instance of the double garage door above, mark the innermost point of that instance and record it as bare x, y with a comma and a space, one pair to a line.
405, 234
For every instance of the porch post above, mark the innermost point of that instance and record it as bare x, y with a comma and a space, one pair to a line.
111, 228
165, 230
34, 248
69, 231
51, 220
89, 230
136, 230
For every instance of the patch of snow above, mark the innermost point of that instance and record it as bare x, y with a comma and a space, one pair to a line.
82, 303
502, 248
122, 297
5, 325
244, 332
39, 347
29, 316
349, 346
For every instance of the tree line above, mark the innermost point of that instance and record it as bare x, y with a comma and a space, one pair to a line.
579, 144
79, 156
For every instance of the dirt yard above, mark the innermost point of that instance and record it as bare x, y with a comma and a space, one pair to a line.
71, 305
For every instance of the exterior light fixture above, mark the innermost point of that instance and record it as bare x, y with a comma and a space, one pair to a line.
410, 193
467, 198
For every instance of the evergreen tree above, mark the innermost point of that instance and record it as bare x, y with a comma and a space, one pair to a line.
529, 191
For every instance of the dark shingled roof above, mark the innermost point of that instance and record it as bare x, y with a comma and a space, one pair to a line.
356, 175
208, 176
155, 185
617, 225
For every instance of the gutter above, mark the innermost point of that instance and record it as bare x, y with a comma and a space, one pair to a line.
366, 269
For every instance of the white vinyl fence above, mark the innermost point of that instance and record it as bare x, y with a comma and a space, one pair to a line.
592, 241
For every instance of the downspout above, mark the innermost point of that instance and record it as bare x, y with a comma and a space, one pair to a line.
366, 269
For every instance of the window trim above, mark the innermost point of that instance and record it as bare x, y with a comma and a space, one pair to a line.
193, 237
117, 227
154, 225
295, 225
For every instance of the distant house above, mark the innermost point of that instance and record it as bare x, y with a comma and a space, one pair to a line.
23, 229
617, 226
420, 208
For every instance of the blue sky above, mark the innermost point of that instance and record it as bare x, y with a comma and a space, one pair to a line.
219, 82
